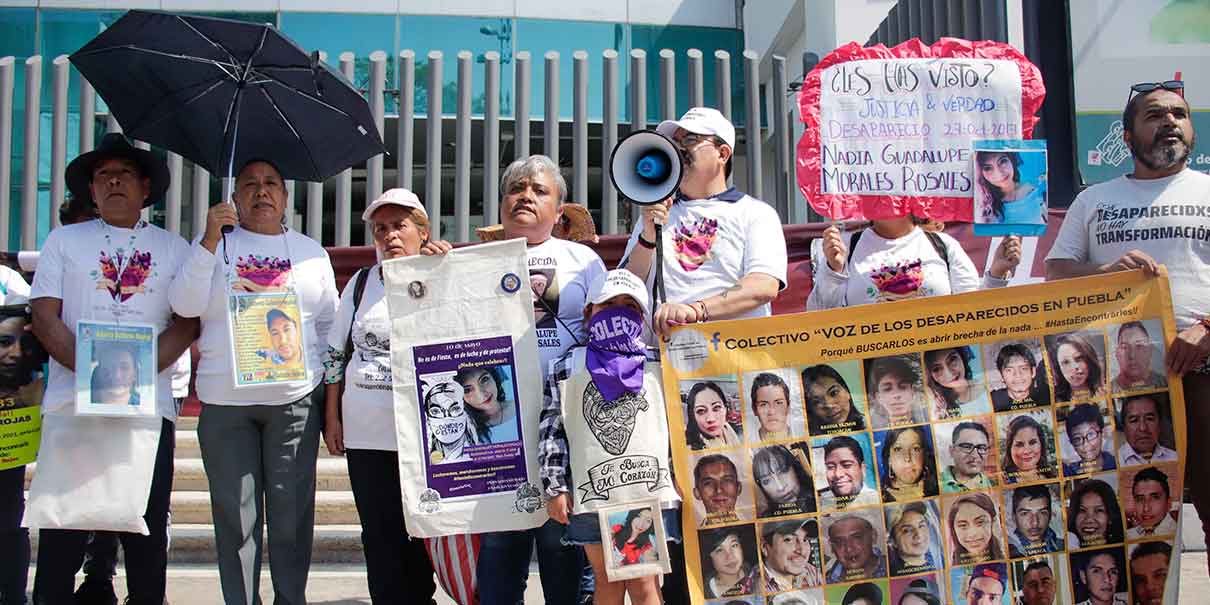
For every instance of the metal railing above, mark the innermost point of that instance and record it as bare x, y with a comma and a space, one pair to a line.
192, 189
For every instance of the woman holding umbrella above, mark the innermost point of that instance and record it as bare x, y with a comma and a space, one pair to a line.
258, 422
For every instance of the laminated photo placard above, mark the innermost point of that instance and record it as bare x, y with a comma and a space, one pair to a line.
1010, 193
634, 540
115, 369
975, 448
269, 345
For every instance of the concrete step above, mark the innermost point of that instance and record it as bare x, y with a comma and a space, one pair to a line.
187, 445
186, 423
189, 475
194, 543
331, 508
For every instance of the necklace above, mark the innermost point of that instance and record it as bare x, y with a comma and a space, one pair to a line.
122, 256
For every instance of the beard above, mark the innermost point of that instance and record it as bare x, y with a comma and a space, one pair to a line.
1158, 155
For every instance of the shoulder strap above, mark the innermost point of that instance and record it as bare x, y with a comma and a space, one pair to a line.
359, 288
853, 244
940, 247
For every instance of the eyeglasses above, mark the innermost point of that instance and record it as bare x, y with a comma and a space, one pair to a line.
691, 140
1177, 86
1078, 440
970, 448
437, 413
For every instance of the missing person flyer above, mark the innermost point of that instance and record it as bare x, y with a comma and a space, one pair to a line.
1023, 445
267, 335
115, 369
469, 411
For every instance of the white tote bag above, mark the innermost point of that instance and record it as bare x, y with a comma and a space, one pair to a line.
93, 473
458, 320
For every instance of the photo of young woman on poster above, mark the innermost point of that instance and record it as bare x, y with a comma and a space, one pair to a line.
1009, 191
485, 393
634, 538
1027, 448
1093, 515
116, 375
449, 427
706, 422
1079, 367
728, 561
973, 523
831, 407
955, 380
914, 538
906, 463
896, 390
784, 485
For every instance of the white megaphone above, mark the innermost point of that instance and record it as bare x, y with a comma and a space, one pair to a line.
646, 167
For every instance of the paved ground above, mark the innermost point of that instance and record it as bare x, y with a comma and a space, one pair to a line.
333, 585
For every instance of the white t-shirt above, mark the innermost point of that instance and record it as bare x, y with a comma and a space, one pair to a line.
709, 245
882, 270
368, 406
1168, 219
201, 289
70, 269
560, 273
13, 289
180, 376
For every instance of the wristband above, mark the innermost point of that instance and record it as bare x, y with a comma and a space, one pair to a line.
646, 244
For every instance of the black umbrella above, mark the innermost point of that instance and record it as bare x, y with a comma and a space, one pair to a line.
221, 92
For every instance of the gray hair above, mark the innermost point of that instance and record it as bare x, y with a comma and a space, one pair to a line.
527, 168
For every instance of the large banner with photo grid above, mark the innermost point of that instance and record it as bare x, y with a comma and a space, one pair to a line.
1013, 446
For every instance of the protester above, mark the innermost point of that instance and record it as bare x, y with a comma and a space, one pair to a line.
783, 480
830, 404
595, 395
120, 180
1093, 516
1149, 563
259, 442
1086, 433
533, 191
910, 471
359, 413
969, 448
1031, 510
974, 530
1133, 353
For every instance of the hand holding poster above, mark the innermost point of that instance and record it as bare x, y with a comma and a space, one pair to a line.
889, 131
924, 455
468, 390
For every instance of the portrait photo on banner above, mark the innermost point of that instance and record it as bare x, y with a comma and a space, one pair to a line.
1077, 361
1137, 363
853, 543
1010, 193
982, 584
1086, 438
1016, 374
782, 474
924, 589
713, 412
21, 388
896, 387
116, 372
1033, 519
1151, 500
1027, 450
972, 528
722, 488
1099, 573
967, 454
845, 463
729, 561
1094, 514
790, 555
1041, 580
772, 405
835, 397
268, 339
1145, 433
914, 543
956, 384
907, 466
870, 591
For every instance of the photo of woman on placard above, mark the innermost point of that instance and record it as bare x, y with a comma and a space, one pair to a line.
896, 390
1028, 446
782, 479
1093, 515
115, 378
706, 420
728, 561
1003, 196
955, 381
974, 529
1078, 365
906, 463
633, 539
485, 393
914, 538
830, 404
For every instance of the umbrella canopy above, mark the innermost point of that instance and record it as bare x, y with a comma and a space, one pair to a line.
221, 92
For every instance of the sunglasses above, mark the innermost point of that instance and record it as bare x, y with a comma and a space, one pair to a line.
1177, 86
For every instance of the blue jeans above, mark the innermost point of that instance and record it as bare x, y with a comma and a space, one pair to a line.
503, 566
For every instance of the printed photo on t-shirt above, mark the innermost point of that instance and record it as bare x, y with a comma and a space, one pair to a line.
545, 285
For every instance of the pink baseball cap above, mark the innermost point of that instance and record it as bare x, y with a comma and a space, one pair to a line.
396, 197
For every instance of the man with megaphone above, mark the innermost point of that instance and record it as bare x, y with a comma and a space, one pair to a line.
726, 250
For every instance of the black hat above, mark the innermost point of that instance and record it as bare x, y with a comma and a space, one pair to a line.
115, 145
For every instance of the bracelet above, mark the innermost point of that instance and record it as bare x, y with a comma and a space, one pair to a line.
703, 315
645, 243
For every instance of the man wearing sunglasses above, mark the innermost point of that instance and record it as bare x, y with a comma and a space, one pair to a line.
1157, 215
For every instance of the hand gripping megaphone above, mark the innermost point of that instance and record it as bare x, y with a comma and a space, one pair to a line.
646, 168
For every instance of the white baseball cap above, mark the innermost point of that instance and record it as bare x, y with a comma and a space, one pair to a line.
397, 197
701, 120
617, 283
